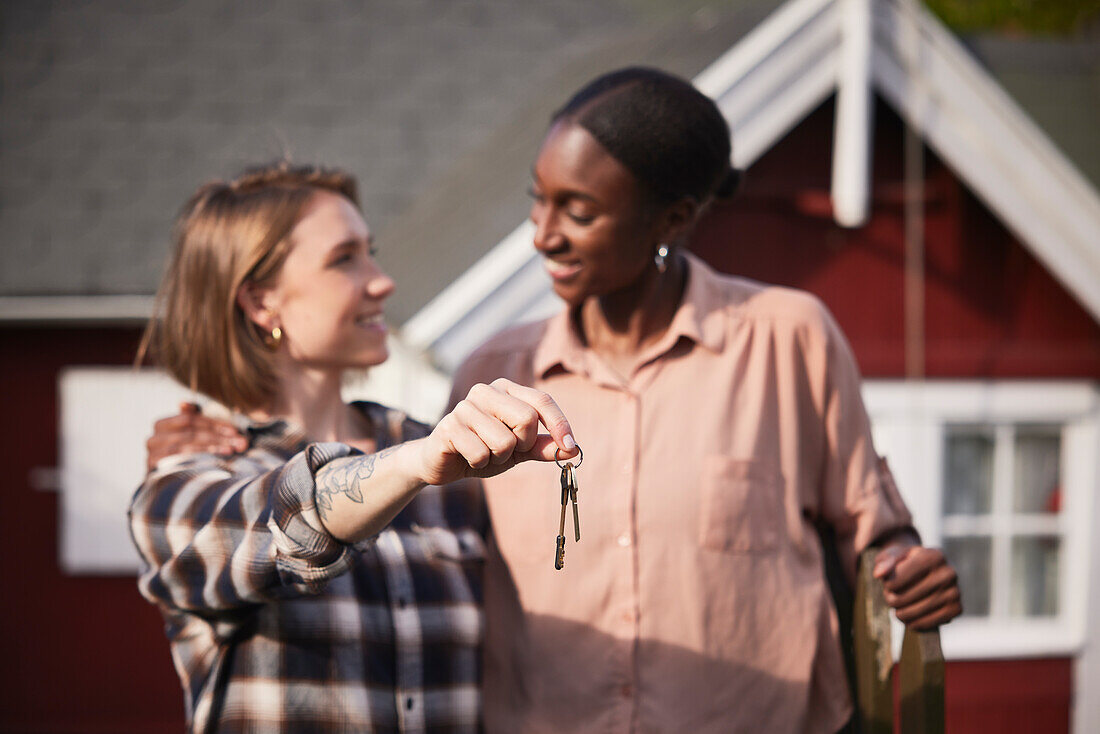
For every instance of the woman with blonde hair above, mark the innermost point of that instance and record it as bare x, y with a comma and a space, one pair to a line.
319, 579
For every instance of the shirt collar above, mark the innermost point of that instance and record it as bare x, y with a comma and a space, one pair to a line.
697, 318
278, 435
287, 437
560, 345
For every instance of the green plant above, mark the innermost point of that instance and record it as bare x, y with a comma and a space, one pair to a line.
1039, 17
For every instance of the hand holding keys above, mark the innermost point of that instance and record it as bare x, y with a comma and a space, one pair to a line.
568, 493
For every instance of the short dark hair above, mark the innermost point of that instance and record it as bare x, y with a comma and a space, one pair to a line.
670, 135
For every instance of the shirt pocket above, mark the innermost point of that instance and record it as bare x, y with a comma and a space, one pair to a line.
741, 508
463, 545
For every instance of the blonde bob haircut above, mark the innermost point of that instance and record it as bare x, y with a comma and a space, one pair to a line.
230, 233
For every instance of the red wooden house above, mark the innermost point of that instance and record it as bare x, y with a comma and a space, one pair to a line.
887, 172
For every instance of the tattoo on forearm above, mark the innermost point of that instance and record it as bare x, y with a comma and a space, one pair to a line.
344, 477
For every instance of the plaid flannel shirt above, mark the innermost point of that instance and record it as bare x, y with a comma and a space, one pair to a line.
275, 626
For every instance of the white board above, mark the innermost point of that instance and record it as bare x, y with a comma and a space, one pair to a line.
107, 413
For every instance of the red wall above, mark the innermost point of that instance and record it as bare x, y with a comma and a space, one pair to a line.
991, 309
80, 654
1009, 697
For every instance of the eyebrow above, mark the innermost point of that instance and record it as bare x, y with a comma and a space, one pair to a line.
582, 195
570, 193
351, 242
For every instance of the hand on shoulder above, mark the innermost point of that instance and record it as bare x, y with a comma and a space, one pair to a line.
192, 432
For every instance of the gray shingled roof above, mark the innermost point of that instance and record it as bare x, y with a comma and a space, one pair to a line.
1057, 82
112, 112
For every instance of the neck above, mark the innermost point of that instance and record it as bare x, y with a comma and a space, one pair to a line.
618, 325
311, 399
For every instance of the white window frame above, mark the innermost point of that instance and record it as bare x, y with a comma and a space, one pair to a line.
909, 419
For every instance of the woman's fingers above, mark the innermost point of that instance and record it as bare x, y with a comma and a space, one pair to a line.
887, 559
545, 449
192, 432
914, 565
179, 422
935, 580
549, 414
496, 435
923, 588
522, 409
470, 448
520, 418
495, 427
194, 423
931, 611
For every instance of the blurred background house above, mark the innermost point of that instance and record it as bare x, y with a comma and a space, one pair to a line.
937, 188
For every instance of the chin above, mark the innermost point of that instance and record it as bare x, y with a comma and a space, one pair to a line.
373, 358
571, 294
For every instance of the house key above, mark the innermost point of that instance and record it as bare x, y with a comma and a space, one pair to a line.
568, 494
559, 556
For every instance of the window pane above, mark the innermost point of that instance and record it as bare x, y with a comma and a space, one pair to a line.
1038, 453
1035, 576
971, 558
968, 471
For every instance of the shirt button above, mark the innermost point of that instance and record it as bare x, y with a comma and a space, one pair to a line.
624, 540
409, 703
627, 690
628, 617
627, 467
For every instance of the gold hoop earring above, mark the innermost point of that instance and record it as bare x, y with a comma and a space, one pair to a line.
661, 258
274, 339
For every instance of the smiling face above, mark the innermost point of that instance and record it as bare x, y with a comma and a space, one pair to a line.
328, 298
593, 228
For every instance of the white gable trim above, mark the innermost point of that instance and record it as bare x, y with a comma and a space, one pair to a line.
770, 81
975, 127
76, 309
852, 132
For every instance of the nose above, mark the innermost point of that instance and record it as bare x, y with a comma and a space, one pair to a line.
379, 284
547, 238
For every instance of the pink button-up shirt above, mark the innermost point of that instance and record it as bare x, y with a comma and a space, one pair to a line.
695, 600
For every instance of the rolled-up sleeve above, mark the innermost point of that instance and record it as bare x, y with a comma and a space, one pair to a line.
217, 534
858, 495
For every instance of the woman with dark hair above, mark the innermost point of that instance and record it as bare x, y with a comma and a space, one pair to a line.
722, 424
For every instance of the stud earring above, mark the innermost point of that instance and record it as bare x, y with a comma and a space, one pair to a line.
274, 339
661, 258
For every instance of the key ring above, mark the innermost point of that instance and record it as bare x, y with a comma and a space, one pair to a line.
580, 458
